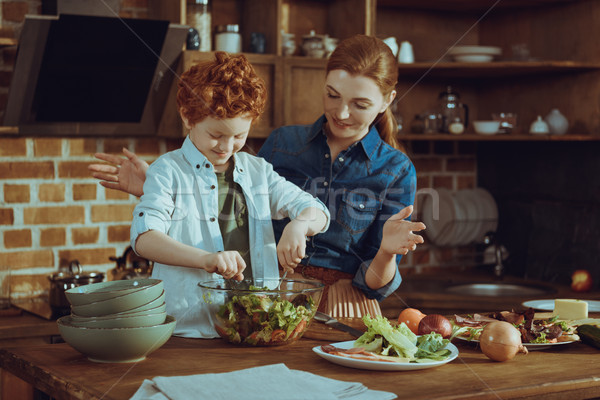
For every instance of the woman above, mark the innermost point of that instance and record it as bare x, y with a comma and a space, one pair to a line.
350, 159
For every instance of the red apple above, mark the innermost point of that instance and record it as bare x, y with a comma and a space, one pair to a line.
581, 280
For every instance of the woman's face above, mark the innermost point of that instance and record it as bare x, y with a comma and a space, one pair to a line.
352, 102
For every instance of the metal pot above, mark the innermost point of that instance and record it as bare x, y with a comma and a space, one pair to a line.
66, 279
130, 266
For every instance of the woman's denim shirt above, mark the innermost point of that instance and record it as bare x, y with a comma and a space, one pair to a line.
365, 185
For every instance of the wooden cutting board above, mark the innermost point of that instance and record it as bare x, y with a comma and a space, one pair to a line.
319, 331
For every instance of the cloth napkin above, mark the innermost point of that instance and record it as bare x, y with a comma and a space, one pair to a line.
274, 381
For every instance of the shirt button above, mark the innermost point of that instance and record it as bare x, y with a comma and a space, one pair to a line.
197, 165
212, 186
207, 165
325, 183
361, 206
341, 159
212, 219
241, 170
326, 155
141, 214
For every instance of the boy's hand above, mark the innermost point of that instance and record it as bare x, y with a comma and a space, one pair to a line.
291, 248
228, 264
398, 236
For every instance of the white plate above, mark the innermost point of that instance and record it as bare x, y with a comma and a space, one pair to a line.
438, 214
472, 224
530, 346
474, 58
489, 213
462, 50
380, 365
460, 218
548, 305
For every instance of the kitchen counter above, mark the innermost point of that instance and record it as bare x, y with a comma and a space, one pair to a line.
427, 293
569, 371
20, 327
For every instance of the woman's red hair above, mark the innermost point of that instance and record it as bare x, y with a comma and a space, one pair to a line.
226, 87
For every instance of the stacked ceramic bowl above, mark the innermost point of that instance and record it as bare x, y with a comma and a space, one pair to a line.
117, 321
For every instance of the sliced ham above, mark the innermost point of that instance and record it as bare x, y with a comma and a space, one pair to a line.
360, 354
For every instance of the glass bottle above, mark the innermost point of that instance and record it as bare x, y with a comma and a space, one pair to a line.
198, 17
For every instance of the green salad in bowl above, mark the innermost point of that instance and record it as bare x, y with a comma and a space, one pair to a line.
261, 312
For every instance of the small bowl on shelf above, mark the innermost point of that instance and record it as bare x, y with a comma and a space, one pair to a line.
261, 312
486, 127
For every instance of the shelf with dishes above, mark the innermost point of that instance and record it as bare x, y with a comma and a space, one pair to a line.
494, 69
473, 137
465, 5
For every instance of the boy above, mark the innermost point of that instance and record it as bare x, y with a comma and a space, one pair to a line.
206, 208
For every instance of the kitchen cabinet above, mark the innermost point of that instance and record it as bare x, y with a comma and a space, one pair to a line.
563, 71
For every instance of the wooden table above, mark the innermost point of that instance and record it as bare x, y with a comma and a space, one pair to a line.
569, 371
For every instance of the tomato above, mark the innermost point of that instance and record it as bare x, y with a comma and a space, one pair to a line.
411, 317
581, 281
221, 331
278, 335
299, 328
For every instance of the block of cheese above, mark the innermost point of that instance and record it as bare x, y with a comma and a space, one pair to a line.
570, 309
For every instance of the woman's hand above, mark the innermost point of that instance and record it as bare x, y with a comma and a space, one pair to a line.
228, 264
398, 236
126, 174
291, 248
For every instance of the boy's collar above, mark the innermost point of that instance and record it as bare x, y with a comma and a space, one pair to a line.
196, 158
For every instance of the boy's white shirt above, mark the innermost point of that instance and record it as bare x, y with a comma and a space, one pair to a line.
179, 200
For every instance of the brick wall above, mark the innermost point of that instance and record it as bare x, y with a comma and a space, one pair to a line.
52, 211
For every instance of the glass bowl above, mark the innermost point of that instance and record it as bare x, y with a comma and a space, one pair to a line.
261, 312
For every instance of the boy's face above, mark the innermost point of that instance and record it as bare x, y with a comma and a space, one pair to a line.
219, 139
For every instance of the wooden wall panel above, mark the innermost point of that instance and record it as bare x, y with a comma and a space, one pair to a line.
303, 88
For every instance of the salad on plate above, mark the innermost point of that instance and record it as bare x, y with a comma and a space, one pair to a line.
384, 342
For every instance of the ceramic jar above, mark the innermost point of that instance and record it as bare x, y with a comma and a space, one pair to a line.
313, 45
539, 127
288, 43
406, 55
557, 123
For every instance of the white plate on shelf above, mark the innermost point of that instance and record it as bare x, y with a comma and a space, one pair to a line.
474, 53
438, 216
380, 365
548, 305
529, 346
472, 224
489, 213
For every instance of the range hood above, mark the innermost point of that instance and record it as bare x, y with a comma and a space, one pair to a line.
93, 75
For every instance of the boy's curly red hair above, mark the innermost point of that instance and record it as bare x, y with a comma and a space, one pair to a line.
224, 88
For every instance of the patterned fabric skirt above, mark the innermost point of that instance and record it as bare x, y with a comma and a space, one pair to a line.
340, 298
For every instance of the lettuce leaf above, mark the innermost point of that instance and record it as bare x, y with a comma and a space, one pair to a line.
399, 340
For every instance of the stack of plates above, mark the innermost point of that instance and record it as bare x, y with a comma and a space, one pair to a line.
474, 53
460, 218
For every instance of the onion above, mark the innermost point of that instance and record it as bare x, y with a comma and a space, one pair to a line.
435, 323
500, 341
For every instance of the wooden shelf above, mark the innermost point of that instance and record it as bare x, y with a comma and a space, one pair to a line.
493, 69
466, 5
472, 137
4, 42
